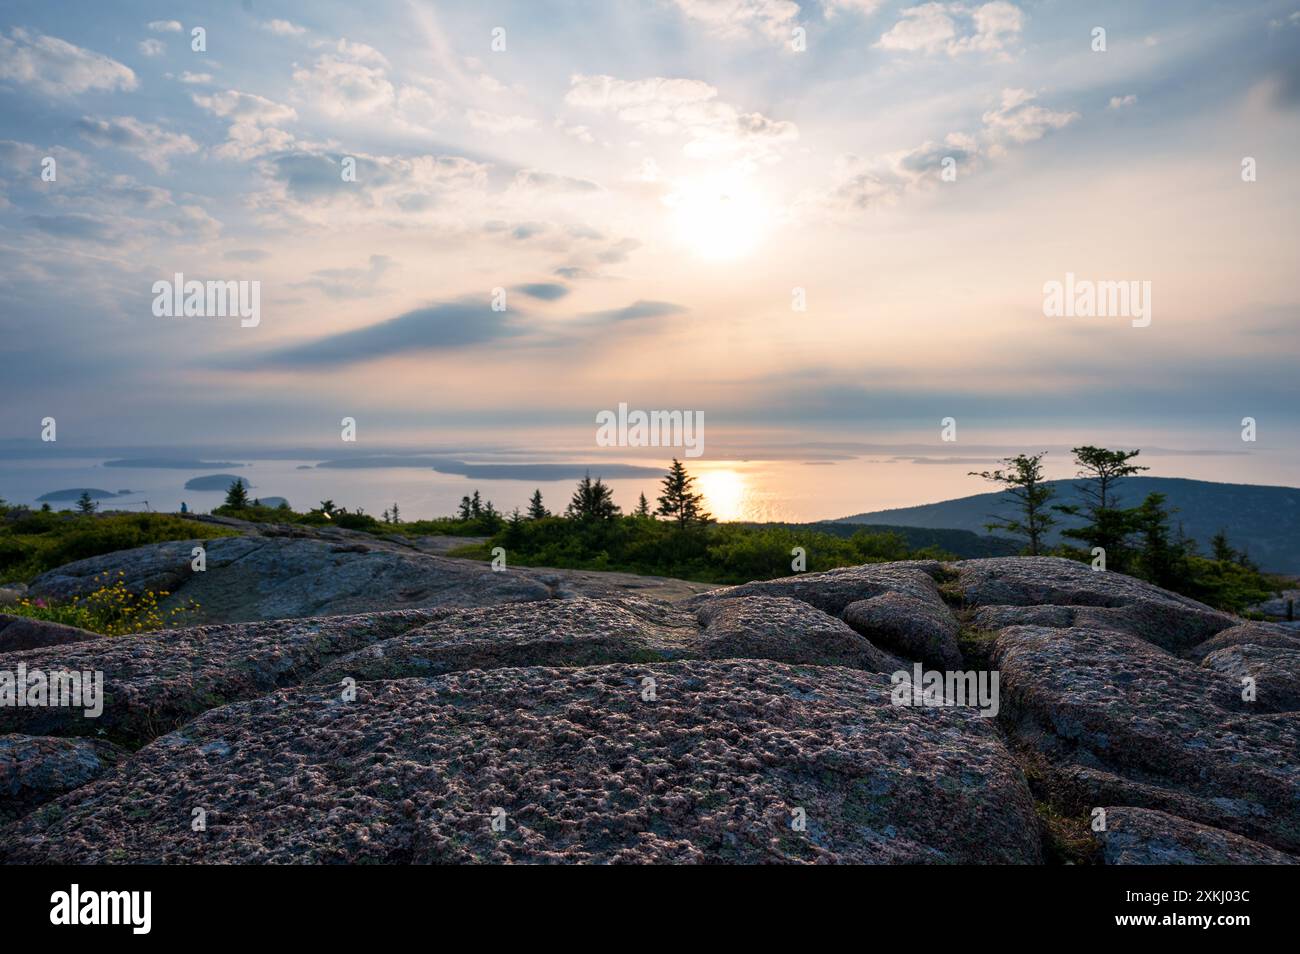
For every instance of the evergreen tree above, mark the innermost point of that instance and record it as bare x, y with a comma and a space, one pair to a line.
536, 509
466, 509
236, 495
476, 505
1023, 481
397, 514
85, 504
1219, 546
642, 507
678, 501
593, 500
1161, 560
1107, 526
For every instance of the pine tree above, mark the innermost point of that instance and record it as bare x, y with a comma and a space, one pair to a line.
536, 509
1023, 481
642, 507
678, 501
236, 495
466, 509
476, 505
593, 500
1108, 525
85, 504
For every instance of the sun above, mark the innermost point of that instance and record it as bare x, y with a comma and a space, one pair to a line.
724, 493
718, 220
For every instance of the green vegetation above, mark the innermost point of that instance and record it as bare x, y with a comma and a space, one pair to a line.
594, 534
1140, 541
111, 609
33, 541
1023, 480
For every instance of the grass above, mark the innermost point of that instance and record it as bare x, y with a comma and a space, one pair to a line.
34, 541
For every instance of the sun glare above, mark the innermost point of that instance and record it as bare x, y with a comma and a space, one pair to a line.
718, 221
724, 493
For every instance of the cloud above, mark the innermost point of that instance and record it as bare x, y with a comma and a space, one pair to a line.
441, 327
247, 255
684, 107
772, 18
254, 120
72, 225
245, 107
193, 79
353, 79
283, 28
165, 26
348, 283
636, 311
883, 180
1018, 120
1119, 102
543, 291
151, 47
954, 28
550, 182
58, 68
863, 7
496, 123
148, 143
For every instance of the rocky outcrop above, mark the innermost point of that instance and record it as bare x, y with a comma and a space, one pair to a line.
735, 761
293, 572
749, 723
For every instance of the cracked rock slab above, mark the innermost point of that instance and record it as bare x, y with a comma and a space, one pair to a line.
1140, 836
570, 632
156, 681
575, 764
1112, 702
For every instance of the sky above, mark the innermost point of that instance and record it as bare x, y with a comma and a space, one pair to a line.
651, 188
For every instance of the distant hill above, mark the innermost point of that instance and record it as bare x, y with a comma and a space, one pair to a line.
74, 493
960, 543
1265, 521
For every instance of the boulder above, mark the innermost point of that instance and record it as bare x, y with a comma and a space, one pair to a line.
1045, 586
833, 590
1274, 671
